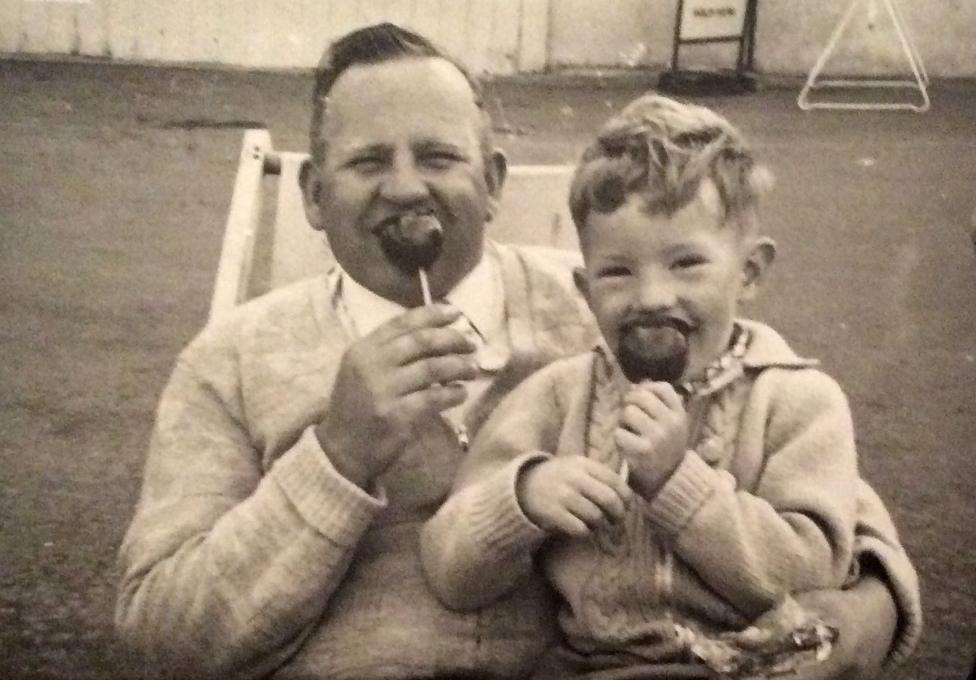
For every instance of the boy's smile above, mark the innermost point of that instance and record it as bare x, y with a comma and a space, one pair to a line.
666, 289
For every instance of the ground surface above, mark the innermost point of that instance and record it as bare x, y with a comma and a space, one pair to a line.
114, 182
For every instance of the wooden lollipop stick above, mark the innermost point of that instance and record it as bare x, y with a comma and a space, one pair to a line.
425, 287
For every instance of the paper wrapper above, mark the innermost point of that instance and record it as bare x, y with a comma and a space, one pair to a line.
788, 639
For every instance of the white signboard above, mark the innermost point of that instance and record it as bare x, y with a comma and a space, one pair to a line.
703, 19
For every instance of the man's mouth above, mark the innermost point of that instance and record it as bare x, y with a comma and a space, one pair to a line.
411, 241
654, 349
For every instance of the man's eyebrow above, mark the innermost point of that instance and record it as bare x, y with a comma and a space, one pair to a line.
440, 145
352, 150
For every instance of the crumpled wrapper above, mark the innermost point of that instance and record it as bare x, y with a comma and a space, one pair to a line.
787, 639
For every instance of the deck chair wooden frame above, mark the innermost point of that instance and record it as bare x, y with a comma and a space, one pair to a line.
269, 244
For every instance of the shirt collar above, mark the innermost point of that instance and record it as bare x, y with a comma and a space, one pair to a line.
478, 296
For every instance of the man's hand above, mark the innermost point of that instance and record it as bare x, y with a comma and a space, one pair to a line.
653, 435
573, 495
865, 617
404, 371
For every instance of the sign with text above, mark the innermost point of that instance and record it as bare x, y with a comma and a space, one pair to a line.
705, 19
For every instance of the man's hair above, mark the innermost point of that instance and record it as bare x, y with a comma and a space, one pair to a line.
374, 45
661, 150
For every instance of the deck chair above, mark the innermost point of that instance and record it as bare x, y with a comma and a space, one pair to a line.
269, 244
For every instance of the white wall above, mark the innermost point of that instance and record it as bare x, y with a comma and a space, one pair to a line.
495, 36
489, 35
790, 36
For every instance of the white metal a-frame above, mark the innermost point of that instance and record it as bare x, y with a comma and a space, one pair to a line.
919, 81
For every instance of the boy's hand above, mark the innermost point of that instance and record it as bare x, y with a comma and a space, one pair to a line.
653, 435
573, 495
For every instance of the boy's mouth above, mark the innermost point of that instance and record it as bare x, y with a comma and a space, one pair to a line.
654, 349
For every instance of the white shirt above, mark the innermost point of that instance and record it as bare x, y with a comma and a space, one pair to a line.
479, 296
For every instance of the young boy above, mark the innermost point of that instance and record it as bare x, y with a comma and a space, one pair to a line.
684, 477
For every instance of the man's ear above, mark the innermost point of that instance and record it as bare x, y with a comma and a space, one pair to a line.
760, 256
310, 182
496, 170
582, 283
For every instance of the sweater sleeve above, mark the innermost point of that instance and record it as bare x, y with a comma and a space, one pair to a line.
226, 567
480, 544
795, 530
876, 540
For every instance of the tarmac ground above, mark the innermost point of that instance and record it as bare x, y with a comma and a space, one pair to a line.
114, 185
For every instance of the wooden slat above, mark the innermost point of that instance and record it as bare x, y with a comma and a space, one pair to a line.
237, 251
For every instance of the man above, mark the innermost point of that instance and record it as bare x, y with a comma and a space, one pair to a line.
301, 443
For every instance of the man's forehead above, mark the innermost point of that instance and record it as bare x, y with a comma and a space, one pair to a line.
414, 81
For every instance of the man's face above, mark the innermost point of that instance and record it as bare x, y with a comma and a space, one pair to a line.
684, 272
402, 136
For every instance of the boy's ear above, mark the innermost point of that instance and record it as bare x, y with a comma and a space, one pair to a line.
310, 182
496, 170
760, 257
582, 284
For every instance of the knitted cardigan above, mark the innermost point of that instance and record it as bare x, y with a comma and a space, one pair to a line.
764, 503
249, 554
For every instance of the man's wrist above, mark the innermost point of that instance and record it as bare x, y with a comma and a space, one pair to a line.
349, 467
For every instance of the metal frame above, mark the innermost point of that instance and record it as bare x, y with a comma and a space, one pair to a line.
746, 39
920, 81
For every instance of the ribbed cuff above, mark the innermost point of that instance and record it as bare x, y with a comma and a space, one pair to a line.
327, 500
905, 590
691, 484
496, 518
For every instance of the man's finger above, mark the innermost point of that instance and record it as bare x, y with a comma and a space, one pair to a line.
433, 399
423, 373
428, 316
428, 342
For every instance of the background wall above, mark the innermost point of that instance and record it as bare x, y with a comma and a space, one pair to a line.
494, 36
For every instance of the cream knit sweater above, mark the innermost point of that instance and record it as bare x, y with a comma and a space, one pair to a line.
249, 556
765, 503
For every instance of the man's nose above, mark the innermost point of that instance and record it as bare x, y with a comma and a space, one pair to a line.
404, 183
656, 291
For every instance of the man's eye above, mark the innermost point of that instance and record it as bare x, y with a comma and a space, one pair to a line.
440, 159
366, 164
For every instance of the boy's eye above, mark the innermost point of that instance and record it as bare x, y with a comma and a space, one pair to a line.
613, 271
688, 261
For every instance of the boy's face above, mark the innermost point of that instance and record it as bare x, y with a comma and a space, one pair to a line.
673, 283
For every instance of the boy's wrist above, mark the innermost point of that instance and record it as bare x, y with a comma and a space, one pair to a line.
650, 482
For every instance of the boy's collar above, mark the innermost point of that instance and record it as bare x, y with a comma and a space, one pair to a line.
752, 345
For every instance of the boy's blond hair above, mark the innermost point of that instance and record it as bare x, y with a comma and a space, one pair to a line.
661, 149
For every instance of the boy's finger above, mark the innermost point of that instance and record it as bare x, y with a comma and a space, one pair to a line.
604, 496
610, 478
666, 393
653, 404
571, 525
585, 510
631, 443
637, 419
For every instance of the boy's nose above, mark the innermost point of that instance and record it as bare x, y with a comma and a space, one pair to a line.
656, 292
404, 184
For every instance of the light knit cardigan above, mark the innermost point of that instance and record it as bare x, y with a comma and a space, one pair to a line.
250, 556
763, 504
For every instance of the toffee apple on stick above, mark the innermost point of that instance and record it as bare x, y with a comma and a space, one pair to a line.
412, 242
